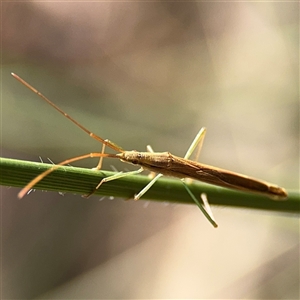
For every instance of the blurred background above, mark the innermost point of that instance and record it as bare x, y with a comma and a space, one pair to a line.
154, 73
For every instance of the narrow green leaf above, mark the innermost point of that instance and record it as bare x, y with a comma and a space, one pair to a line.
18, 173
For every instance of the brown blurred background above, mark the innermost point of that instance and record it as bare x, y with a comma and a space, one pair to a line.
154, 73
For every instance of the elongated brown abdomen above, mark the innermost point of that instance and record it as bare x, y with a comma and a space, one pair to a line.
171, 165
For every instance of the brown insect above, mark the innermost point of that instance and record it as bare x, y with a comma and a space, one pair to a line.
164, 163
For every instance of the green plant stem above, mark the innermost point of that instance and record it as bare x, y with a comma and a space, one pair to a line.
75, 180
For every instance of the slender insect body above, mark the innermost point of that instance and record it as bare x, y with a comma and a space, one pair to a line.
163, 163
171, 165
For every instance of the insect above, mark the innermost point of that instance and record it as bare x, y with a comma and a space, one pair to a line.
164, 163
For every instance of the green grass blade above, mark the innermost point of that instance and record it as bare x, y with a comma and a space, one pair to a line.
18, 173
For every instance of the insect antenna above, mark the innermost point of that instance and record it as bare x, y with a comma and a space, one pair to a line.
91, 134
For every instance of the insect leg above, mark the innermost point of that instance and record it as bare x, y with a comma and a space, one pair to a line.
151, 174
38, 178
149, 149
147, 187
99, 166
204, 211
203, 197
113, 177
197, 142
